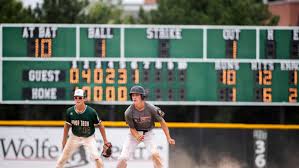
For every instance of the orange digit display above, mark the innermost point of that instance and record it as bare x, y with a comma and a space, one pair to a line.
265, 77
122, 93
98, 75
136, 76
86, 75
74, 75
103, 48
87, 92
268, 77
293, 94
122, 76
295, 77
49, 53
110, 76
231, 77
40, 44
224, 76
110, 93
98, 93
234, 94
235, 49
36, 47
267, 95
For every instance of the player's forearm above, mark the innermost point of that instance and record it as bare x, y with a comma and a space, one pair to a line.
65, 131
103, 133
165, 129
134, 133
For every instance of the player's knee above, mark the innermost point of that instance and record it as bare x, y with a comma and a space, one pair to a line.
95, 156
58, 166
99, 163
122, 163
157, 160
156, 156
124, 156
60, 162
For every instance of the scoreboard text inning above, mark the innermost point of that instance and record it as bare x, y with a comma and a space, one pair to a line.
178, 65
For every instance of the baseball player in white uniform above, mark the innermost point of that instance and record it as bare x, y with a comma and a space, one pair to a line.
82, 120
140, 117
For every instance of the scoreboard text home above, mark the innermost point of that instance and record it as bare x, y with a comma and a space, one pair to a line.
178, 65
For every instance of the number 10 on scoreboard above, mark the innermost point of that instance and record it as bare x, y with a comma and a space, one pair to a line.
39, 40
40, 48
227, 78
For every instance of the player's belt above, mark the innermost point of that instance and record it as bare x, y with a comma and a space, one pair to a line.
143, 131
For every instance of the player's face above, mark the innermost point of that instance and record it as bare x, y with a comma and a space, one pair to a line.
78, 100
136, 98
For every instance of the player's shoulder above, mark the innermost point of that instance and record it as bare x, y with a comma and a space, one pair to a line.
90, 109
70, 109
150, 106
129, 110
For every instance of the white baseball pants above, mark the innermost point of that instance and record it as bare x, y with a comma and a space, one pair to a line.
73, 143
131, 143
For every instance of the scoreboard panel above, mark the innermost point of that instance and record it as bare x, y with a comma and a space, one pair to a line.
164, 42
278, 42
99, 42
177, 65
30, 41
231, 43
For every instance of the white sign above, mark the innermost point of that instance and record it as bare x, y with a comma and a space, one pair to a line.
164, 33
103, 32
37, 147
231, 34
43, 32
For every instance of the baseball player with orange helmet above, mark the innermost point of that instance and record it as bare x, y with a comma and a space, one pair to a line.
140, 116
82, 120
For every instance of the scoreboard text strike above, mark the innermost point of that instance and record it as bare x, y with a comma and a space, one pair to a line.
178, 65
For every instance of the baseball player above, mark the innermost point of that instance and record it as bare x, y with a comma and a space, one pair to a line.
140, 116
82, 120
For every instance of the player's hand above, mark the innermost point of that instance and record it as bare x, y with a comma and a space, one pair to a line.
105, 141
140, 138
171, 141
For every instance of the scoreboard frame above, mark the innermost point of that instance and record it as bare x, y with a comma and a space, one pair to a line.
139, 59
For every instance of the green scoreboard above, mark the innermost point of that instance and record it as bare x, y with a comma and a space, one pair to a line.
176, 64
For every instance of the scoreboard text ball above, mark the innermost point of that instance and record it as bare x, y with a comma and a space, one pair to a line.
186, 65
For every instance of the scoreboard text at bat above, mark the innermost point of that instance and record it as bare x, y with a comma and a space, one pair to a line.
40, 40
110, 80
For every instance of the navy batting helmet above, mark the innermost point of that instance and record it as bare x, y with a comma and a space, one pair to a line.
137, 89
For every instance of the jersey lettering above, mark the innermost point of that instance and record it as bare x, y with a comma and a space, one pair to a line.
75, 122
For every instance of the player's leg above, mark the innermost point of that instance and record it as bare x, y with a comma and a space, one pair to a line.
152, 148
128, 148
157, 160
71, 145
91, 146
